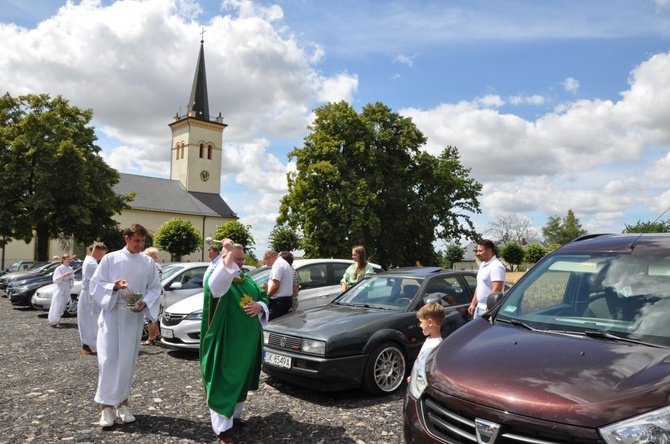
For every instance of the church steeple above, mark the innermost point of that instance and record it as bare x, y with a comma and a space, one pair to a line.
197, 139
198, 104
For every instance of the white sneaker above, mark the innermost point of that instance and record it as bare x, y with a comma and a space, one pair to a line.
107, 417
124, 413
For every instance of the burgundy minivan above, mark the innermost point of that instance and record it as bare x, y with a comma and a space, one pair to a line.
577, 352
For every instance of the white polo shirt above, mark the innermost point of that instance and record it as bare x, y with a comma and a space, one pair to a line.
489, 272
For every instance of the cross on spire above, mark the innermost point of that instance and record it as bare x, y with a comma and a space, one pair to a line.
202, 35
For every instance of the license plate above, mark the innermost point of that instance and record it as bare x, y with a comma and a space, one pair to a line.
167, 333
277, 360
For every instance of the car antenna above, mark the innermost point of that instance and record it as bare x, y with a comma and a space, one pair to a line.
631, 247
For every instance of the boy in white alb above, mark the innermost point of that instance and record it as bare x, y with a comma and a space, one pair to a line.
430, 318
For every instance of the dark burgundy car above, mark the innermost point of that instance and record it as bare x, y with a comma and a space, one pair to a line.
577, 352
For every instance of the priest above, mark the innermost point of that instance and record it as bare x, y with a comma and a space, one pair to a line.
235, 309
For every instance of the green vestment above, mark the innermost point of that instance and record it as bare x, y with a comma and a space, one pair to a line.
231, 345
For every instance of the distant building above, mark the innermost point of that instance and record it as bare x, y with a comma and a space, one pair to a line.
191, 193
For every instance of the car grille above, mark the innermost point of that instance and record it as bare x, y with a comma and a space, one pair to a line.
282, 341
172, 319
458, 426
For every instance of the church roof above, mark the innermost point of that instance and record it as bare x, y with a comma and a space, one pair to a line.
199, 101
170, 196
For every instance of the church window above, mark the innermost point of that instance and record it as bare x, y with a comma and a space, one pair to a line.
209, 152
202, 150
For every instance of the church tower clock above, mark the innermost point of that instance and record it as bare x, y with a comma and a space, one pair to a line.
197, 139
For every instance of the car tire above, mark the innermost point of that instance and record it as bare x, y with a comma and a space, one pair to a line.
71, 308
385, 370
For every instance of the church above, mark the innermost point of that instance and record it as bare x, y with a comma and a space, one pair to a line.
191, 193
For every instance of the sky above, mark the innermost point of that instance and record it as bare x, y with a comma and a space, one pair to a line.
553, 106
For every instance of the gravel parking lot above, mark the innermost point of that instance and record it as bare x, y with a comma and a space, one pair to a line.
47, 387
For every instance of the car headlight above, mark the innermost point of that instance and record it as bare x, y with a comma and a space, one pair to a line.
649, 427
23, 288
313, 347
194, 316
266, 337
417, 382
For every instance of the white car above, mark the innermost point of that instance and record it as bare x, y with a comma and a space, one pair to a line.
319, 284
41, 300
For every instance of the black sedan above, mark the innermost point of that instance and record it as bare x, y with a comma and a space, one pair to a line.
369, 335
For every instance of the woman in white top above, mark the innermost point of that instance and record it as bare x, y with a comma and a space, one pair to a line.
63, 277
358, 270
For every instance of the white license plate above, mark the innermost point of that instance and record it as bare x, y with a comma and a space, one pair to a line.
277, 360
167, 333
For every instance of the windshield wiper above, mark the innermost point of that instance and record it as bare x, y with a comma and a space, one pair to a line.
516, 323
599, 334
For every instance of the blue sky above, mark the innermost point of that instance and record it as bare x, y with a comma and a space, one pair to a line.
553, 105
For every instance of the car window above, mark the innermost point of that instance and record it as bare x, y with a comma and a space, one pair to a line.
313, 276
338, 271
192, 278
621, 294
451, 289
388, 292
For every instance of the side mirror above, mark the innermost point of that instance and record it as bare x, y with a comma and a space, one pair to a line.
175, 286
493, 300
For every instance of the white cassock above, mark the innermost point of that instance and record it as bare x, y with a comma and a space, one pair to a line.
87, 310
119, 328
61, 294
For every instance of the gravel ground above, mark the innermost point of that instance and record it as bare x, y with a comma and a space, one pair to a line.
47, 387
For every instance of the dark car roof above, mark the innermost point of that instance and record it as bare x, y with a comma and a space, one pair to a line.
654, 242
413, 271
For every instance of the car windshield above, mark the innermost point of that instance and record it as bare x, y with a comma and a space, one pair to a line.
379, 291
260, 275
170, 270
606, 295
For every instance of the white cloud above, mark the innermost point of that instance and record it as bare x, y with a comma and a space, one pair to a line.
571, 85
404, 60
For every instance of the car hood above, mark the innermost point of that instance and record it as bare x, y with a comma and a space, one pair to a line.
187, 305
552, 377
332, 320
18, 275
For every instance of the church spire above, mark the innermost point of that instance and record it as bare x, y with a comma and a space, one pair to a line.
198, 104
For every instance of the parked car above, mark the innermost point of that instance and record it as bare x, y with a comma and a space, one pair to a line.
367, 337
182, 280
578, 351
38, 268
20, 292
42, 298
180, 324
17, 266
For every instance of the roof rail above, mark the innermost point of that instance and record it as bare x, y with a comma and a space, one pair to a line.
589, 236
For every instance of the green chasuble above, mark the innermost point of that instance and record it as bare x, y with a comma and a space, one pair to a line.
231, 345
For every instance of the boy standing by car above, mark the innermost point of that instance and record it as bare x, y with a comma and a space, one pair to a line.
431, 317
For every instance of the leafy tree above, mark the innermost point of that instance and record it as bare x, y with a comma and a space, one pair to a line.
455, 253
648, 227
284, 238
563, 230
53, 181
178, 237
113, 238
534, 252
512, 228
238, 232
513, 254
362, 179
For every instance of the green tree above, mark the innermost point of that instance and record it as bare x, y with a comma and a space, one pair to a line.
513, 254
284, 238
238, 232
362, 179
563, 230
534, 252
648, 227
53, 180
455, 253
178, 237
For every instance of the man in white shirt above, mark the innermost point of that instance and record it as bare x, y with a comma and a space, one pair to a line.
490, 277
120, 325
87, 310
280, 285
214, 254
